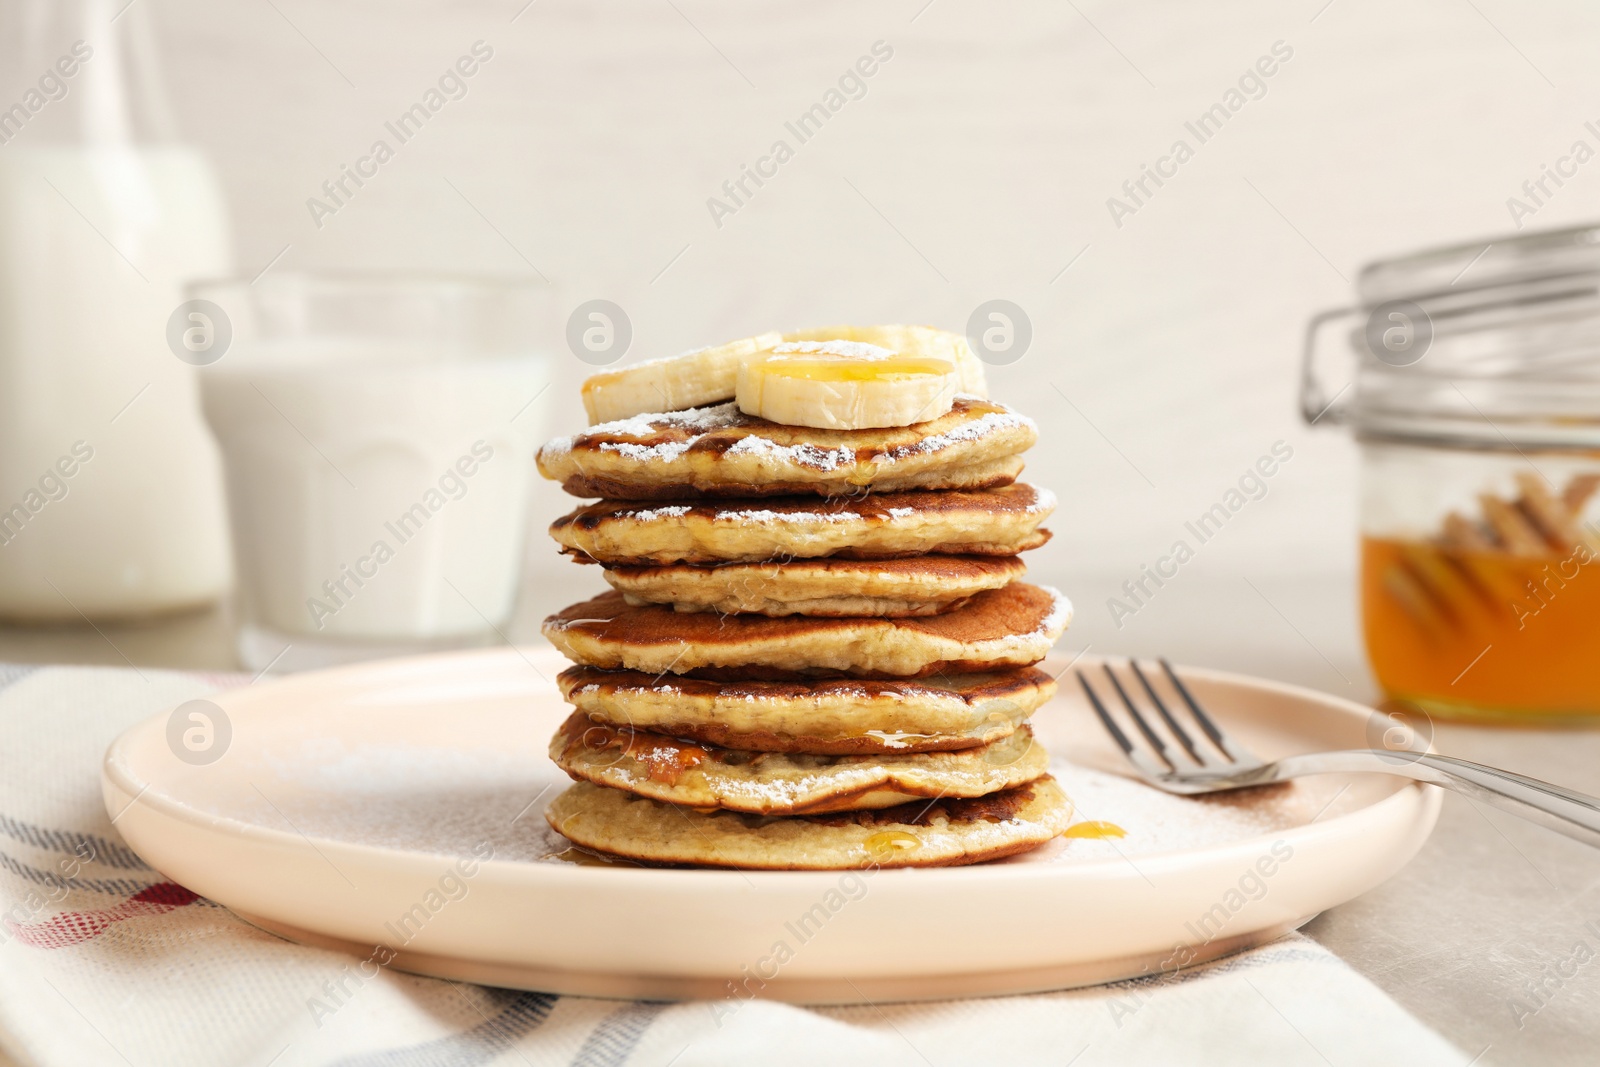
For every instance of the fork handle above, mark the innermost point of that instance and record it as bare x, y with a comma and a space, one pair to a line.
1566, 811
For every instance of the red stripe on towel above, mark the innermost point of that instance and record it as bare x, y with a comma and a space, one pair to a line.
76, 927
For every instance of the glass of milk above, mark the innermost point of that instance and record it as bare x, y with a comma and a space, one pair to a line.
377, 435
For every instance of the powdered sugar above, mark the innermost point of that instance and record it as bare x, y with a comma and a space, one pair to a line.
672, 511
972, 430
802, 455
1060, 612
1048, 629
766, 516
731, 515
667, 450
694, 420
697, 421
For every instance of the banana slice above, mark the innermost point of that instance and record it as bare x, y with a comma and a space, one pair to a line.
845, 385
710, 375
703, 376
911, 341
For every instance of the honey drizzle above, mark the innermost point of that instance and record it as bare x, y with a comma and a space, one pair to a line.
1097, 831
891, 369
887, 843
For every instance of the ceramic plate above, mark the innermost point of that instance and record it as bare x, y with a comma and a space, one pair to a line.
394, 809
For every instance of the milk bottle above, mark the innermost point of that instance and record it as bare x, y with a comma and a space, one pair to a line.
110, 485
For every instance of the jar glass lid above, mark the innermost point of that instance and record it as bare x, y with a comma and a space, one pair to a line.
1493, 343
1479, 264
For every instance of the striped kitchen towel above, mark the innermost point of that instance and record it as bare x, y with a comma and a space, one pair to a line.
105, 961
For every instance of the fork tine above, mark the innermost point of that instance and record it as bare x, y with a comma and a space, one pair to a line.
1234, 752
1166, 716
1136, 756
1138, 720
1105, 717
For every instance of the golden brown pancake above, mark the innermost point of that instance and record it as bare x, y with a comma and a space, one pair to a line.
720, 451
991, 522
938, 833
829, 717
1010, 627
887, 588
707, 777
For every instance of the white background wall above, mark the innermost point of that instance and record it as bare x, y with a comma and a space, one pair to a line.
978, 165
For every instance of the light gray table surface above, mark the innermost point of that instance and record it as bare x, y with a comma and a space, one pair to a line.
1459, 937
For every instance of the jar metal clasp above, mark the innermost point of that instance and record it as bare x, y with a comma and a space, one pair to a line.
1315, 401
1395, 334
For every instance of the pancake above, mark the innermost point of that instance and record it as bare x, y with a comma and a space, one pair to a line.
783, 783
993, 522
938, 833
1010, 627
921, 585
823, 717
720, 451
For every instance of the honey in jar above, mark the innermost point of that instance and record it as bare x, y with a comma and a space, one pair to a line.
1470, 376
1497, 614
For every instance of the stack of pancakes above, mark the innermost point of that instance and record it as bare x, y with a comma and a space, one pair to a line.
816, 653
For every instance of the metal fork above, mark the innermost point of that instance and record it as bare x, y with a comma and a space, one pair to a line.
1206, 760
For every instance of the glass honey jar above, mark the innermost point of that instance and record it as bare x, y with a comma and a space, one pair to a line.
1474, 393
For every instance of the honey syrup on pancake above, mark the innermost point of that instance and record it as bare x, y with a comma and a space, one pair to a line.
664, 759
890, 842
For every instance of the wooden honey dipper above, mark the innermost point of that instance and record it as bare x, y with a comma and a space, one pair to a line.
1459, 580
